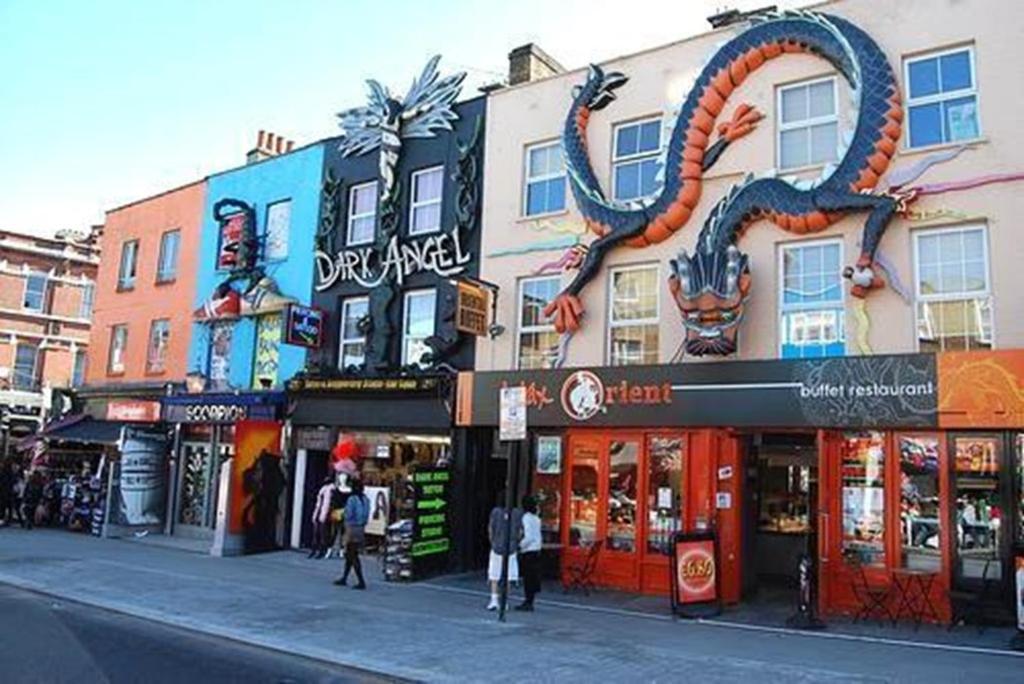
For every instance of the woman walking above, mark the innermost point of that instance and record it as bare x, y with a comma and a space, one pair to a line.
357, 512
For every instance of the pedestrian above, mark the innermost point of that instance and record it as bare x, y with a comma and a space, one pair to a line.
322, 518
31, 498
502, 543
529, 552
6, 491
17, 492
357, 512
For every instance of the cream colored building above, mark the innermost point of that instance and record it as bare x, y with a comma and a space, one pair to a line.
960, 264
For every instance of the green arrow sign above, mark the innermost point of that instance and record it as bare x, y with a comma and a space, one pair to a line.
435, 504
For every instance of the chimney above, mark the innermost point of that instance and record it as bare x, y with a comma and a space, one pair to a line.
529, 63
268, 145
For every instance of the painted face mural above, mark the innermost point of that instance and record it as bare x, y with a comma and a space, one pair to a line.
711, 290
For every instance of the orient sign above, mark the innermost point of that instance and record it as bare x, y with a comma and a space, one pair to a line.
440, 253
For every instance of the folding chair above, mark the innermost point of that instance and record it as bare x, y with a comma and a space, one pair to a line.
970, 606
580, 575
873, 600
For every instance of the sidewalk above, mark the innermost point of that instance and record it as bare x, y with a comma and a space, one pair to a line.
439, 631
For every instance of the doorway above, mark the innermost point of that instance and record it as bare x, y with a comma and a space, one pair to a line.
781, 498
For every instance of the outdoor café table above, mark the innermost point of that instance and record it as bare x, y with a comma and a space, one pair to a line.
913, 594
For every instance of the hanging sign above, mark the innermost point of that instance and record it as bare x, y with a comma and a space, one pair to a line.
472, 309
512, 413
440, 253
695, 574
304, 326
236, 250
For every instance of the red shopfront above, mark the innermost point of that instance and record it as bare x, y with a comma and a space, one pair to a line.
833, 457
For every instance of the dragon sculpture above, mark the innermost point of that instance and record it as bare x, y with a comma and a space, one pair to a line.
711, 286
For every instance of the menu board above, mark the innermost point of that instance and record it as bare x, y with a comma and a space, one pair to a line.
863, 479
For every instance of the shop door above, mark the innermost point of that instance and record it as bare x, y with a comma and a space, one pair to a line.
982, 511
603, 501
197, 476
661, 509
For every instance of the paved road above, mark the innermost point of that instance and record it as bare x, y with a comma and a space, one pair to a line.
49, 640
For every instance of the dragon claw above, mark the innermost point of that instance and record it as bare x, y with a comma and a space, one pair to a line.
567, 311
863, 277
743, 121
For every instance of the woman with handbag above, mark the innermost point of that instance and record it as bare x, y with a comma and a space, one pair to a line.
357, 512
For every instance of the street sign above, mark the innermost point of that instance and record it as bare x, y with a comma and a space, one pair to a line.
512, 413
472, 309
430, 533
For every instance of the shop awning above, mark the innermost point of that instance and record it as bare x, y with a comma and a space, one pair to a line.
87, 430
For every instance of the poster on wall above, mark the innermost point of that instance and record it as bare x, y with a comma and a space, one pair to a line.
694, 575
549, 455
140, 494
257, 483
978, 455
380, 507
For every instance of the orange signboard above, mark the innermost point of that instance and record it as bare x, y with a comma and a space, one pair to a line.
981, 389
696, 571
134, 411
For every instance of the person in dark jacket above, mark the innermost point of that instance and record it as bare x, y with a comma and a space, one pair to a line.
357, 512
31, 498
6, 491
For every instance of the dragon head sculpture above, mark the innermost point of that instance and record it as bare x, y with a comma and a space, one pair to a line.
599, 90
711, 288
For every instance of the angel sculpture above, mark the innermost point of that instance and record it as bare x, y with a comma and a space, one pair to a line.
385, 121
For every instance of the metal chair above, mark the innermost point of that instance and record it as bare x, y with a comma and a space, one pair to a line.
873, 599
970, 606
580, 574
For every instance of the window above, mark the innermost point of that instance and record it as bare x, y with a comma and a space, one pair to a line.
352, 349
808, 124
267, 359
362, 214
920, 509
159, 340
942, 97
954, 310
863, 472
35, 291
545, 179
279, 221
418, 325
167, 265
538, 340
635, 162
78, 370
425, 213
26, 365
118, 345
88, 297
811, 304
664, 492
623, 472
220, 355
633, 323
129, 265
979, 517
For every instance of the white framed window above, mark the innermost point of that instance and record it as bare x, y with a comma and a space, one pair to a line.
808, 123
633, 316
811, 300
417, 324
425, 207
537, 339
167, 261
362, 214
352, 343
78, 369
544, 191
88, 298
954, 304
26, 366
942, 97
129, 265
118, 347
34, 298
278, 225
635, 158
159, 341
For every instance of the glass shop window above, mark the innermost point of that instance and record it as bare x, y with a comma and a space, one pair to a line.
545, 180
664, 492
920, 518
583, 501
808, 123
811, 307
954, 303
623, 470
863, 482
979, 514
942, 97
538, 339
635, 163
633, 323
425, 209
548, 486
362, 214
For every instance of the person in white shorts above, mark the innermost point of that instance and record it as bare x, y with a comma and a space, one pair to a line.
497, 533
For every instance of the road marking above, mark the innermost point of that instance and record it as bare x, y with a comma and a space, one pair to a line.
731, 624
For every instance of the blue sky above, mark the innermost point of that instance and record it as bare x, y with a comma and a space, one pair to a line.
106, 102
